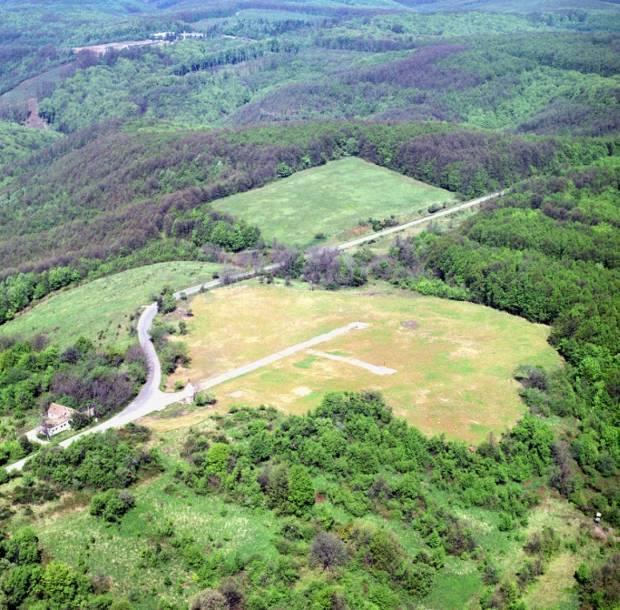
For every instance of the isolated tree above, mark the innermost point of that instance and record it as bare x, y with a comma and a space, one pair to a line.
327, 550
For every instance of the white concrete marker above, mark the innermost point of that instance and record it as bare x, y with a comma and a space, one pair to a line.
373, 368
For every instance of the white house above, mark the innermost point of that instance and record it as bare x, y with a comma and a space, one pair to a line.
57, 420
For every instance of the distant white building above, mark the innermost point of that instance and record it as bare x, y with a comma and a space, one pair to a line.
163, 35
186, 35
57, 420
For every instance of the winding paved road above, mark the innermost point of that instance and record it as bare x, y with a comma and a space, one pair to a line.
151, 398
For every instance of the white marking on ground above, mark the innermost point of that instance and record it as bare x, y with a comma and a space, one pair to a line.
285, 353
373, 368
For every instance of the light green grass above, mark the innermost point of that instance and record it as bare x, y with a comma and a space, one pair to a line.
101, 310
331, 199
127, 553
17, 142
455, 585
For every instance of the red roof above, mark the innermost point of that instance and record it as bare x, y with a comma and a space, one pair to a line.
57, 413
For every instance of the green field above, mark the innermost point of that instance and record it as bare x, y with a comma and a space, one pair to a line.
331, 199
101, 310
454, 361
17, 142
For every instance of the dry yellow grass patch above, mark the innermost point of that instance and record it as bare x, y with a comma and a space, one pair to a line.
454, 361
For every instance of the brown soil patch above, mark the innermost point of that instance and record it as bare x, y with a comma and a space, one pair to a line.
34, 120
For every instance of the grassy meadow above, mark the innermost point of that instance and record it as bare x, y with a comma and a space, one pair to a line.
141, 572
331, 199
102, 310
454, 360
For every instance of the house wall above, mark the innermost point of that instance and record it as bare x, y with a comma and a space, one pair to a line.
58, 429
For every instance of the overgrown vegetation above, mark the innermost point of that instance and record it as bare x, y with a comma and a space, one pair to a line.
33, 374
361, 502
547, 252
111, 462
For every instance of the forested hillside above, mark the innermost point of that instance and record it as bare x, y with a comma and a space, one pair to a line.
548, 252
537, 72
135, 139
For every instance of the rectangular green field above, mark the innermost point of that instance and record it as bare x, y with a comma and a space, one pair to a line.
331, 199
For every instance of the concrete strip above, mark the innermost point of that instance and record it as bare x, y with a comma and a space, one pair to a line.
285, 353
373, 368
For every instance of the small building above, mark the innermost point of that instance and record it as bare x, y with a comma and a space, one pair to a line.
163, 36
188, 35
57, 420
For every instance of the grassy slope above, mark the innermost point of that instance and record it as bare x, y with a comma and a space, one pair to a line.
331, 199
217, 527
101, 310
213, 525
17, 142
454, 370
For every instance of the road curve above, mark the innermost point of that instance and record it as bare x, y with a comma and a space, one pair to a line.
151, 398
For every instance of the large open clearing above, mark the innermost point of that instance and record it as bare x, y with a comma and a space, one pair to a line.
331, 199
452, 362
101, 310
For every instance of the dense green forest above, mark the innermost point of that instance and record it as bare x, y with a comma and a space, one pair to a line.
538, 71
112, 158
101, 195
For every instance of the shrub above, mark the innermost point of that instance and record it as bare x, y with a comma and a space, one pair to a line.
327, 551
111, 505
202, 399
166, 303
209, 599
